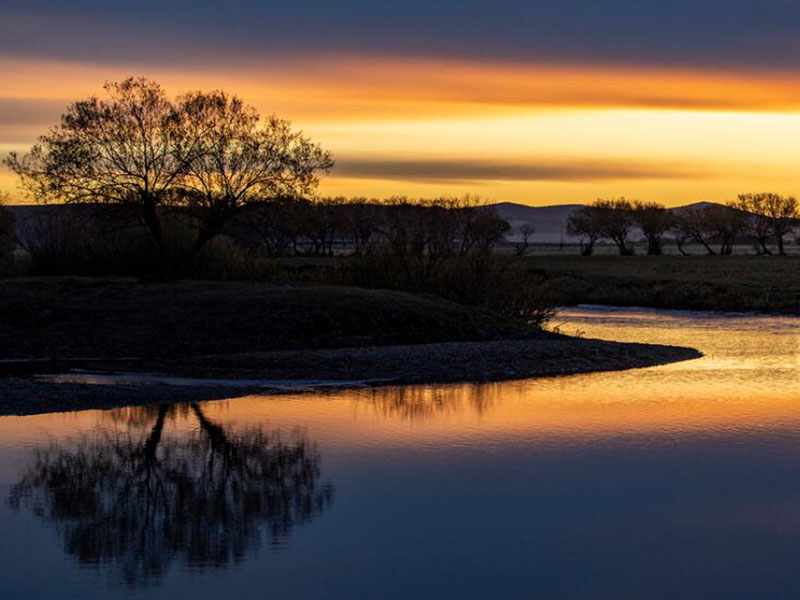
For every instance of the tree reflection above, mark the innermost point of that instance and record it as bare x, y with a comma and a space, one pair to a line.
138, 502
422, 403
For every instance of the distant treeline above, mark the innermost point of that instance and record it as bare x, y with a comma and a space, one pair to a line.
762, 219
444, 246
56, 236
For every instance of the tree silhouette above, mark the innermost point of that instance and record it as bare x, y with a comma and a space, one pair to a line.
654, 220
206, 153
234, 160
136, 503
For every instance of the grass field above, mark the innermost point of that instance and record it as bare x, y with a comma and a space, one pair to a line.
727, 283
115, 317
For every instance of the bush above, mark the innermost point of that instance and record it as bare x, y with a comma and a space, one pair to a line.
480, 278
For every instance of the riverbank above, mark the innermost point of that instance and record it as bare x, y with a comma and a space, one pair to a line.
77, 385
718, 283
71, 344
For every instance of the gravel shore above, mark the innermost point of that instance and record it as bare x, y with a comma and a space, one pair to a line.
32, 387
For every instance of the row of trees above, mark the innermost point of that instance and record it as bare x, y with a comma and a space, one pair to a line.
436, 228
760, 218
206, 153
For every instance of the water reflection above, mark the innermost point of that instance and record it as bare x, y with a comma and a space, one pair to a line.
423, 403
138, 499
670, 482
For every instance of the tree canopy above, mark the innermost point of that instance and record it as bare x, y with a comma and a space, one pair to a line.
205, 152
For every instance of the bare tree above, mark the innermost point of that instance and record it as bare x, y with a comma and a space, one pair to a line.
522, 246
759, 224
135, 503
692, 224
681, 238
586, 224
654, 220
479, 227
114, 150
232, 159
725, 224
361, 221
775, 214
209, 154
616, 221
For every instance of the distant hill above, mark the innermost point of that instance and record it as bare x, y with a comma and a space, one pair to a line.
550, 222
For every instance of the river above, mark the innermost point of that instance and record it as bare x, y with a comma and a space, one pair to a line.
680, 481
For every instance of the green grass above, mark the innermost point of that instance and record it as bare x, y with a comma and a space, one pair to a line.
726, 283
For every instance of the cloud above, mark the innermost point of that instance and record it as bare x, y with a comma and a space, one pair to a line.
459, 170
685, 33
30, 111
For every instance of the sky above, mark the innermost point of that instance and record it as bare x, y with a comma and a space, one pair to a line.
539, 102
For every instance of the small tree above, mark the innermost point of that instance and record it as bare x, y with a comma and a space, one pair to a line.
654, 220
691, 224
759, 224
771, 214
616, 221
585, 224
361, 223
523, 244
725, 224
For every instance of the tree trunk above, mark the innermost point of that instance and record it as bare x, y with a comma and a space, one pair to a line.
153, 223
779, 239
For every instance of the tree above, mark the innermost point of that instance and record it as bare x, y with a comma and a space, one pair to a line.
115, 150
232, 160
523, 244
207, 154
585, 224
136, 502
654, 220
479, 227
759, 224
771, 214
691, 224
725, 224
361, 222
616, 221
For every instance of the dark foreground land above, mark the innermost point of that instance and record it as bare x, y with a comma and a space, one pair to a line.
723, 283
240, 338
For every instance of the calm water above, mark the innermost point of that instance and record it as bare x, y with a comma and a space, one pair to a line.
680, 481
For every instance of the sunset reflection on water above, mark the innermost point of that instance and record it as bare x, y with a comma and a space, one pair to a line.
517, 484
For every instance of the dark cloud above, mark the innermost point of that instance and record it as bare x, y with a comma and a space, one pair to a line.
477, 170
708, 33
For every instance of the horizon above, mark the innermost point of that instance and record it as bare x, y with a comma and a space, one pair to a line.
428, 101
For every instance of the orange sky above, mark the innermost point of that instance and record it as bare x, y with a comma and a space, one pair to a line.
526, 132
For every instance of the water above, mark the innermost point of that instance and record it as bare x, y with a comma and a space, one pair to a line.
681, 481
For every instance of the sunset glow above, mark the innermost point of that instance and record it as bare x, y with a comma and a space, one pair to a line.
535, 133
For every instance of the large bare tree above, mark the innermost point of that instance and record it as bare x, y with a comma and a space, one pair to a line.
119, 149
206, 153
233, 160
